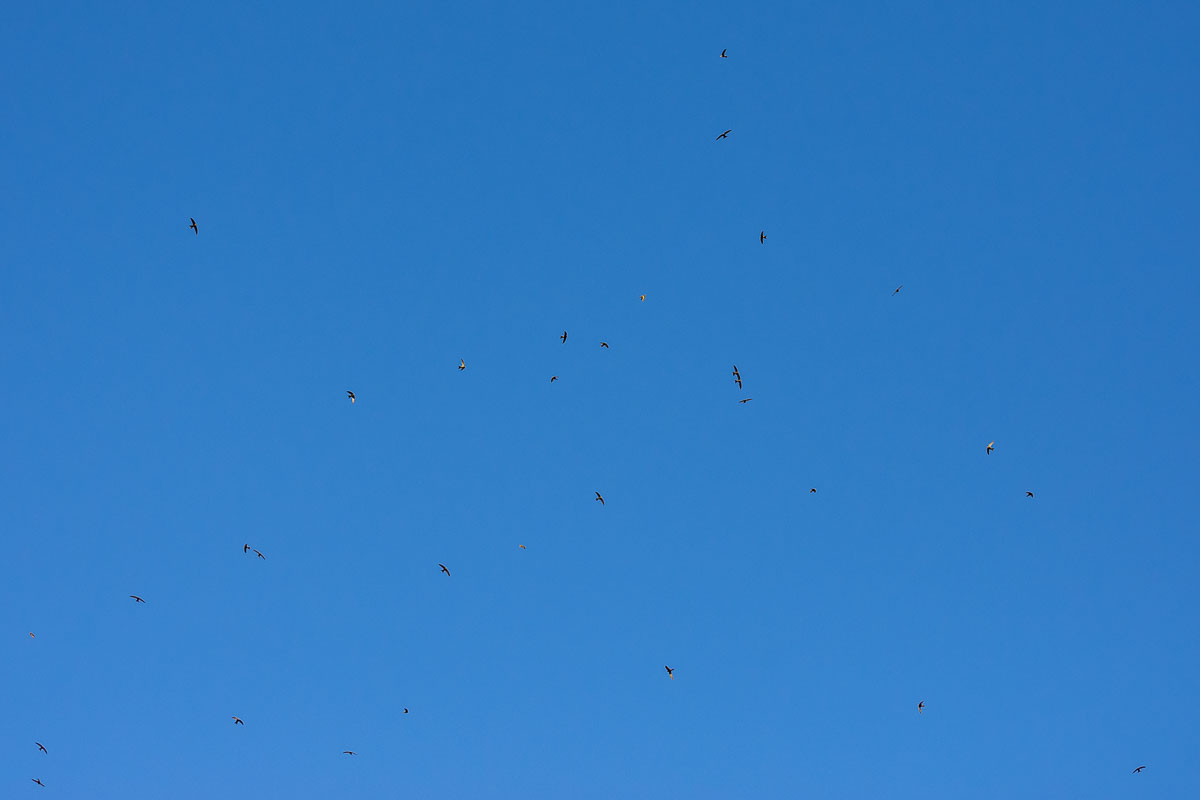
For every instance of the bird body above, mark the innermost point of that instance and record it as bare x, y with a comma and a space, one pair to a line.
1029, 494
991, 446
812, 491
39, 783
553, 378
564, 337
643, 298
898, 288
137, 599
725, 134
521, 546
462, 364
762, 237
193, 226
349, 753
605, 345
350, 394
42, 747
238, 721
443, 566
245, 548
260, 555
599, 498
723, 53
670, 672
747, 400
921, 707
1139, 769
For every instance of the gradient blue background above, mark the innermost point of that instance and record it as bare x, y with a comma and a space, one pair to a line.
383, 189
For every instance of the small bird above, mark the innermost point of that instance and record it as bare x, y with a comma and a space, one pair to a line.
564, 337
349, 753
31, 636
898, 288
462, 364
1029, 494
738, 381
350, 394
991, 446
643, 298
736, 374
762, 237
521, 546
1139, 769
260, 555
605, 345
812, 491
601, 499
723, 53
39, 783
245, 548
553, 378
406, 711
725, 134
238, 721
137, 599
670, 672
747, 400
42, 748
921, 707
443, 566
193, 225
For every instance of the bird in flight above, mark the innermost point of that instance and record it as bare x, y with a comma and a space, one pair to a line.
260, 555
725, 135
39, 783
406, 711
245, 548
521, 546
723, 53
601, 499
31, 636
643, 298
564, 337
762, 237
747, 400
42, 748
898, 288
350, 394
1139, 769
1029, 494
193, 225
443, 566
670, 672
737, 376
991, 446
462, 364
605, 345
921, 707
349, 753
553, 378
137, 599
812, 491
238, 721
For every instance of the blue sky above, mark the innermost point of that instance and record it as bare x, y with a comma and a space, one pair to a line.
383, 189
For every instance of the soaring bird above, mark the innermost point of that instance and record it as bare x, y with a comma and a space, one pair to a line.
137, 599
762, 237
39, 783
193, 225
31, 636
812, 491
349, 753
670, 672
553, 378
601, 499
738, 381
898, 288
736, 374
42, 748
238, 721
462, 364
921, 707
564, 337
245, 548
521, 546
991, 446
406, 711
350, 394
260, 555
643, 298
723, 53
605, 345
725, 134
1139, 769
747, 400
1029, 494
443, 566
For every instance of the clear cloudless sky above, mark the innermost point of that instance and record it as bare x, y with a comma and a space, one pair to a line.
385, 188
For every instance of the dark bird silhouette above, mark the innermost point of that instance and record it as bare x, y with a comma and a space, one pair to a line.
723, 53
238, 721
245, 548
812, 491
1139, 769
1029, 494
350, 394
31, 636
725, 134
193, 225
349, 753
137, 599
564, 337
42, 748
991, 446
747, 400
762, 237
553, 378
601, 499
921, 707
406, 711
643, 298
670, 672
605, 345
260, 555
736, 374
462, 364
738, 381
39, 783
443, 566
898, 288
